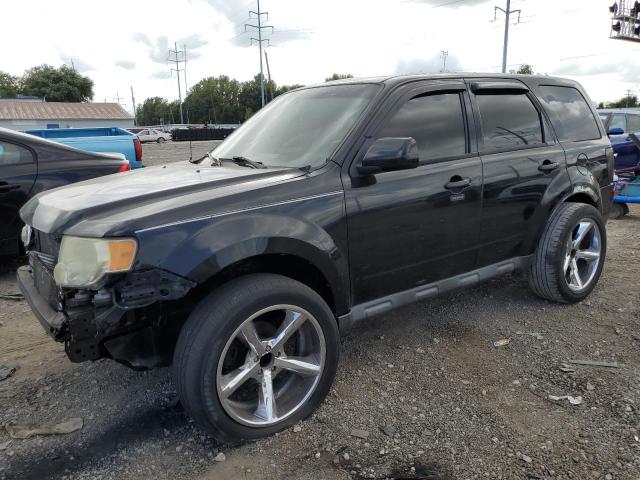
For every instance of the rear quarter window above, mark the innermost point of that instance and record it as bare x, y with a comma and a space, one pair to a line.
570, 114
11, 154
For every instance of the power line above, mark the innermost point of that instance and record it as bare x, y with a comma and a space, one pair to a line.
259, 28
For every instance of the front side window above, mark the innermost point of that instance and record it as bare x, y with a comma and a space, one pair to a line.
300, 128
509, 121
436, 122
618, 121
570, 114
11, 154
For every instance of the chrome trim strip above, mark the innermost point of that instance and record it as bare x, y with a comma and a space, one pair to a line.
240, 210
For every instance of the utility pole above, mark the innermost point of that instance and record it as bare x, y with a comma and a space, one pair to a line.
629, 98
186, 87
444, 54
507, 17
177, 61
266, 58
133, 101
259, 27
117, 98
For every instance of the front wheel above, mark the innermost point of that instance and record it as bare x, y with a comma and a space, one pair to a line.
161, 140
256, 356
570, 256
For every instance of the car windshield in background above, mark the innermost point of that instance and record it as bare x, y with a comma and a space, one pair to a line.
299, 129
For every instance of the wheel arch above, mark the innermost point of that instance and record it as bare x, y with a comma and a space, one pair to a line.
288, 265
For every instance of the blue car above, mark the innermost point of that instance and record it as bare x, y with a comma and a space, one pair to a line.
98, 139
620, 124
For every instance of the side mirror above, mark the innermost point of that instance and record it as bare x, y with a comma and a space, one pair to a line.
616, 131
388, 154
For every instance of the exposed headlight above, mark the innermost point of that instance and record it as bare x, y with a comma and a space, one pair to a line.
84, 261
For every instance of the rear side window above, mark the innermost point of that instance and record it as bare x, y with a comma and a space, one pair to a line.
509, 122
11, 154
633, 123
436, 122
570, 114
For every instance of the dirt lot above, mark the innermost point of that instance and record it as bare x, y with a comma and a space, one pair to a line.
435, 398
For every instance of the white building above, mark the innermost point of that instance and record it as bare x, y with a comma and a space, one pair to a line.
37, 114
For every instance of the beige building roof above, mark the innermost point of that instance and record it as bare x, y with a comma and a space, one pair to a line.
35, 110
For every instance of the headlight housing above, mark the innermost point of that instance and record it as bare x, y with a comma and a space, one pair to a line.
82, 262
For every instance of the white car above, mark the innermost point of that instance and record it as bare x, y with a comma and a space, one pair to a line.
152, 135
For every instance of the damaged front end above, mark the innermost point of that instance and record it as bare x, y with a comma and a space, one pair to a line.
129, 317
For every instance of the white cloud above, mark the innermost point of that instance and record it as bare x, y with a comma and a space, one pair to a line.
126, 64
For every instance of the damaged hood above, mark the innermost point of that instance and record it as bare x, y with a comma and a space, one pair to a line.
124, 202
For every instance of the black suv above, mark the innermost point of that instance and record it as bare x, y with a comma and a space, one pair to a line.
331, 205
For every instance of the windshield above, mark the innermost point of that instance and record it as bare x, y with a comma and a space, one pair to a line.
300, 128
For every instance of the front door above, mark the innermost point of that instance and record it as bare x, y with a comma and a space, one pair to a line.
520, 158
412, 227
18, 170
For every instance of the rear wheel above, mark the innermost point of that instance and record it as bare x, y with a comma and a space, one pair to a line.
160, 140
570, 256
256, 356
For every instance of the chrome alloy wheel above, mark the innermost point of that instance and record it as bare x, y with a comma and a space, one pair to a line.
582, 255
271, 365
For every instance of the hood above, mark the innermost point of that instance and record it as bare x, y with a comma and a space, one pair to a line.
144, 197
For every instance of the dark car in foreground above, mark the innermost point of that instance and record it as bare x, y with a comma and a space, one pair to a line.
30, 165
331, 205
621, 125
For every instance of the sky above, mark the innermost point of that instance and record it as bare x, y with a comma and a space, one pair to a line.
123, 44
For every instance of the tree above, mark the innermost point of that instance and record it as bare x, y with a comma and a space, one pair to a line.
525, 69
338, 76
156, 111
9, 85
216, 100
57, 84
628, 101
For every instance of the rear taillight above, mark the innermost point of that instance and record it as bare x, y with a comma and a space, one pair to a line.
125, 167
138, 147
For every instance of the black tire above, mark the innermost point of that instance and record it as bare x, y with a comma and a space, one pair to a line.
161, 140
210, 326
546, 275
618, 211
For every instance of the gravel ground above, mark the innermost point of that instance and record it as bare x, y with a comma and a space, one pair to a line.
420, 393
159, 153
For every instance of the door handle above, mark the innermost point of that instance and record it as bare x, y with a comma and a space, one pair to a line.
548, 166
8, 188
457, 182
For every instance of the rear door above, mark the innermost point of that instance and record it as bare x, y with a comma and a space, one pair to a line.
18, 171
587, 149
412, 227
144, 135
521, 160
